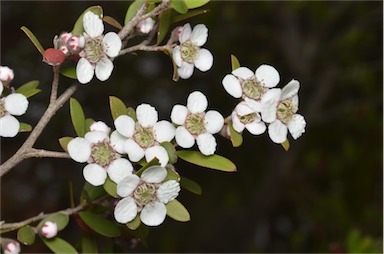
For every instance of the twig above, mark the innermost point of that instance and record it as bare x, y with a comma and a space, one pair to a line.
55, 84
40, 153
141, 47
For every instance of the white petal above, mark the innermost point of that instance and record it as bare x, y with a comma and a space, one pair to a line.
186, 70
153, 214
184, 138
16, 104
213, 121
93, 25
270, 100
100, 126
197, 102
158, 152
206, 143
237, 125
204, 60
164, 131
1, 87
243, 72
256, 106
154, 174
111, 44
297, 126
277, 132
268, 75
104, 68
79, 149
243, 109
168, 191
125, 125
9, 126
119, 169
232, 86
125, 210
256, 128
95, 136
146, 115
95, 174
185, 33
127, 186
177, 56
117, 141
199, 35
84, 71
6, 74
134, 151
289, 90
178, 114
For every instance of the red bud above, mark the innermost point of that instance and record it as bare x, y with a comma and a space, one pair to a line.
53, 57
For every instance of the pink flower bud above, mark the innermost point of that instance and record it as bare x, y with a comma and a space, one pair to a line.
145, 26
100, 126
49, 229
53, 56
6, 74
12, 247
74, 43
65, 37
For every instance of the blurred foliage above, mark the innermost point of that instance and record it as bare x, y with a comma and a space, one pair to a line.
324, 195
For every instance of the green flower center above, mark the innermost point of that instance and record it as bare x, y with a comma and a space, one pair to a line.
285, 110
195, 123
246, 119
145, 193
189, 51
103, 153
144, 137
252, 88
2, 108
94, 50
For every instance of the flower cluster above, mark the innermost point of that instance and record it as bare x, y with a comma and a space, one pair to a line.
11, 105
263, 104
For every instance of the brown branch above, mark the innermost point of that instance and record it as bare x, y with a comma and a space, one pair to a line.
142, 47
55, 83
40, 153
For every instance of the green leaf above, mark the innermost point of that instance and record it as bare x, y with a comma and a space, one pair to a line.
177, 211
33, 39
164, 24
58, 245
111, 188
60, 219
29, 89
235, 62
113, 22
170, 148
212, 161
88, 123
93, 192
132, 10
135, 223
64, 142
100, 224
188, 15
78, 28
89, 244
26, 235
24, 127
236, 138
179, 5
191, 4
78, 118
172, 175
191, 186
117, 107
286, 145
131, 113
153, 162
69, 72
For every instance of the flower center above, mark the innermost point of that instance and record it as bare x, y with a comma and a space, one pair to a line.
103, 153
195, 123
285, 110
145, 193
2, 109
144, 137
252, 88
94, 50
189, 51
246, 119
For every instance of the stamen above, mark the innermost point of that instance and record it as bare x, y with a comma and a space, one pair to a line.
144, 137
252, 88
145, 193
189, 51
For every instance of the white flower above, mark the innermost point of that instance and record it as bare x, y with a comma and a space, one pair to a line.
6, 74
145, 26
98, 49
96, 149
189, 54
144, 137
146, 195
49, 229
100, 126
244, 83
279, 109
244, 117
14, 104
197, 124
12, 247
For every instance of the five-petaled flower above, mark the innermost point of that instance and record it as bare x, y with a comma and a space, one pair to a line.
98, 49
197, 124
189, 54
103, 160
243, 117
147, 194
143, 138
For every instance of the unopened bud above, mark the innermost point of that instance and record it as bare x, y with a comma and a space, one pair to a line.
53, 56
12, 247
6, 74
100, 126
175, 35
49, 229
145, 26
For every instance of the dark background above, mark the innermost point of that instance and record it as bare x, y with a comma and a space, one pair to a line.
314, 198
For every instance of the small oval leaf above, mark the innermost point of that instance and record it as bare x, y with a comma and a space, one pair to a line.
112, 22
188, 15
100, 224
26, 235
164, 24
24, 127
179, 5
117, 107
191, 186
135, 223
191, 4
60, 219
64, 142
111, 188
170, 148
286, 145
212, 161
235, 62
236, 138
132, 10
78, 28
28, 86
171, 174
88, 123
89, 244
58, 245
177, 211
69, 72
77, 116
33, 39
93, 192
